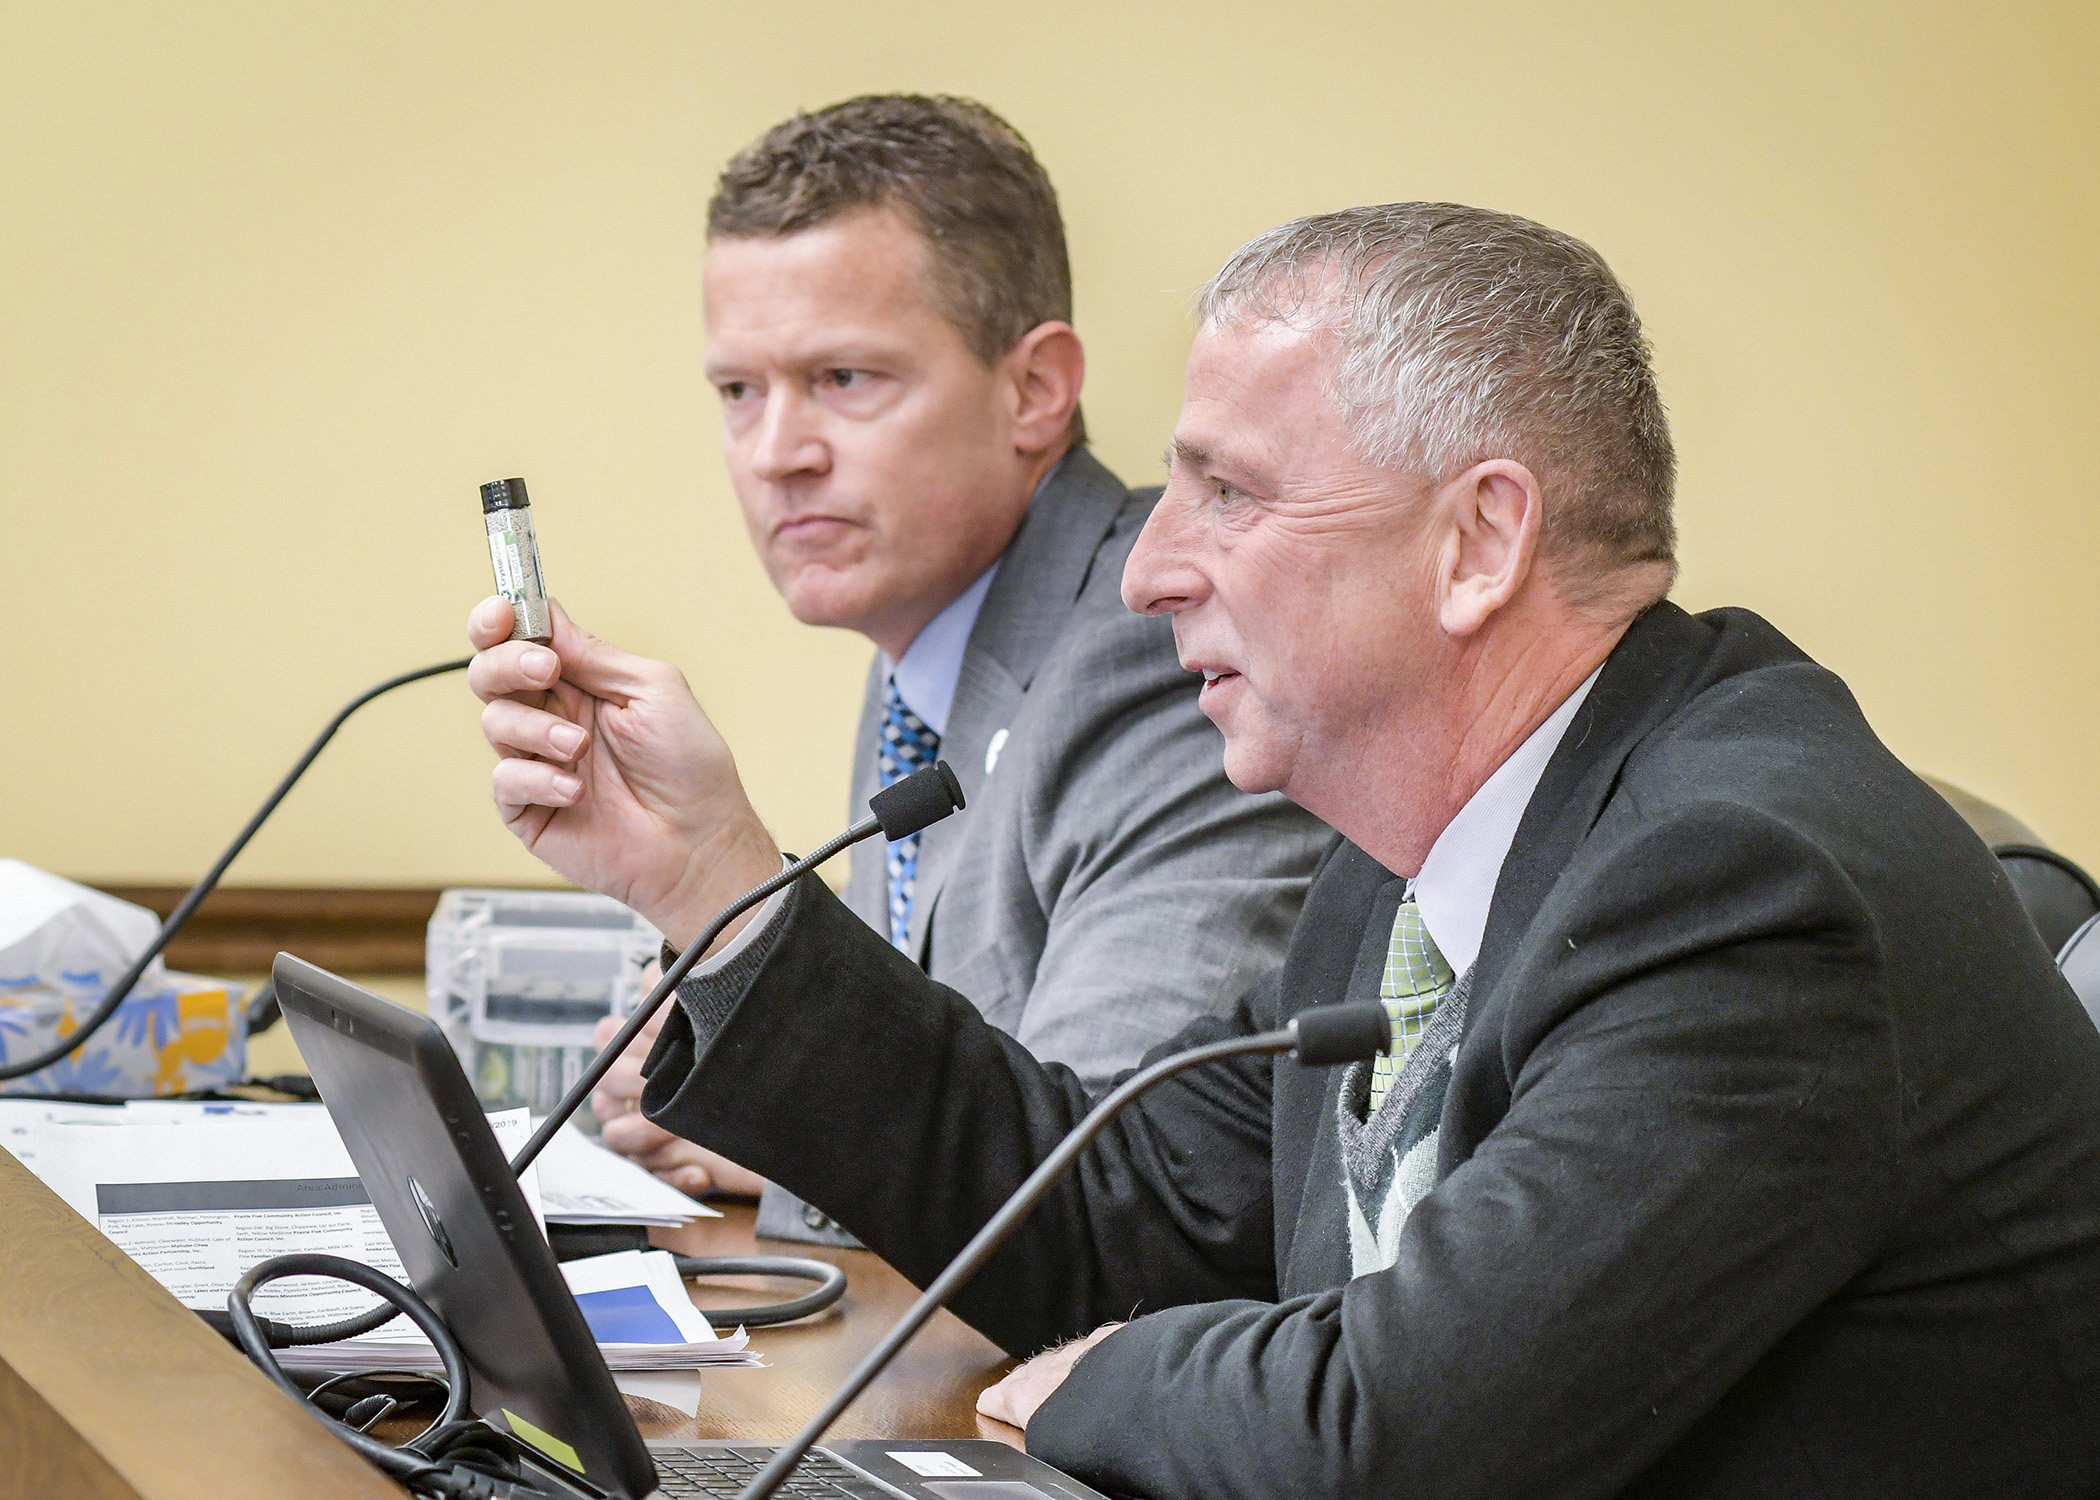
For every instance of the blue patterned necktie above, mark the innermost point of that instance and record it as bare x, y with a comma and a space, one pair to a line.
905, 746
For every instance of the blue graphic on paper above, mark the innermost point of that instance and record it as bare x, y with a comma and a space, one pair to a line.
628, 1315
13, 1023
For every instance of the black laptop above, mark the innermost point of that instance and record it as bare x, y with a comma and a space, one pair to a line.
463, 1230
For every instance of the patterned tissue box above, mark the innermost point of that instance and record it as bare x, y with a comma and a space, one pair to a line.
173, 1033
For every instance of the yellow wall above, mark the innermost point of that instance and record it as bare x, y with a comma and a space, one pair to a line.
281, 284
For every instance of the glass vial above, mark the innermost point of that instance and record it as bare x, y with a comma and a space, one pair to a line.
516, 553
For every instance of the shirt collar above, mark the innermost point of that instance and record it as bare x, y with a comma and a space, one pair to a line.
926, 678
931, 667
1457, 882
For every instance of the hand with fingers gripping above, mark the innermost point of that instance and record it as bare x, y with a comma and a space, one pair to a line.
611, 774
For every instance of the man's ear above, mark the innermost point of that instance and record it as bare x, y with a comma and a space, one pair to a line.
1045, 371
1492, 514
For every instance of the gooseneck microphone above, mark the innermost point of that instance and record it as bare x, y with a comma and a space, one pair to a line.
100, 1015
898, 811
1321, 1037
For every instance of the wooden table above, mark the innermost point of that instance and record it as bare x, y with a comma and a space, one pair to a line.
111, 1390
929, 1391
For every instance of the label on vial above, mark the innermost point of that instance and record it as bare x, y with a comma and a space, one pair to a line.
510, 570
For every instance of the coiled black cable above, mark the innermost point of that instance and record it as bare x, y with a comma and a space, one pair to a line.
180, 917
831, 1285
456, 1458
830, 1280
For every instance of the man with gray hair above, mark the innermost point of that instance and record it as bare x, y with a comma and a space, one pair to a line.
1737, 1137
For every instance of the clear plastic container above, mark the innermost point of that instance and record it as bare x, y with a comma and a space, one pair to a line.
520, 979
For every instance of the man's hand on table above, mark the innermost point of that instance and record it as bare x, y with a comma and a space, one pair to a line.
612, 775
1027, 1386
618, 1104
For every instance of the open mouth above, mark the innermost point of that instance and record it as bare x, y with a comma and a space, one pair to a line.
1212, 678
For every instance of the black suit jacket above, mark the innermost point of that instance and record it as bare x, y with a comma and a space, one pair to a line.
1770, 1163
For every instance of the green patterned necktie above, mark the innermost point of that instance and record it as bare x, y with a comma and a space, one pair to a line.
1416, 978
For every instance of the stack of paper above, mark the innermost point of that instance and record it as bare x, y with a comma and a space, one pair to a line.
579, 1181
583, 1183
636, 1307
642, 1318
651, 1337
197, 1193
196, 1198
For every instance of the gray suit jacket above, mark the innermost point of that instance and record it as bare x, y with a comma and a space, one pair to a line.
1106, 884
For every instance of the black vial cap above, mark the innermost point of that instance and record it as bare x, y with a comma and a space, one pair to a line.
503, 494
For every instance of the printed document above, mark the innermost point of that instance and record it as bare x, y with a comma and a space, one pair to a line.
198, 1199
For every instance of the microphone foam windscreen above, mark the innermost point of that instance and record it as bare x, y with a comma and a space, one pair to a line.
924, 797
1331, 1034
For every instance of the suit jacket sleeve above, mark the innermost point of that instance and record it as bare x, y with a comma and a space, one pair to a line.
913, 1135
1702, 1102
1163, 892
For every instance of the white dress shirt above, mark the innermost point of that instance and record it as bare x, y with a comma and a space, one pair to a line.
1457, 881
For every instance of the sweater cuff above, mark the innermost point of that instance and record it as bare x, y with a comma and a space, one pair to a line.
710, 991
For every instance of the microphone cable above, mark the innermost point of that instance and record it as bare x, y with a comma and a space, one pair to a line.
918, 800
454, 1458
830, 1283
180, 917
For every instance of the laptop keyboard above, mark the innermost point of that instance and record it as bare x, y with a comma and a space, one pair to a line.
714, 1472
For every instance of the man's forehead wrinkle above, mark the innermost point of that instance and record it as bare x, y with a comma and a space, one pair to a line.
821, 277
1235, 452
828, 345
1258, 414
1320, 318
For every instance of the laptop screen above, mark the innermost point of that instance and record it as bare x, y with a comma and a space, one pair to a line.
464, 1232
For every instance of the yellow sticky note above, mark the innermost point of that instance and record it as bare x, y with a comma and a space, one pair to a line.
546, 1442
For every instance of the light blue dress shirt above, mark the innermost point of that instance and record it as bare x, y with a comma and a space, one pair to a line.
926, 679
932, 665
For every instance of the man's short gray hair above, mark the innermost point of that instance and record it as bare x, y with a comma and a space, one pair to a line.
1466, 335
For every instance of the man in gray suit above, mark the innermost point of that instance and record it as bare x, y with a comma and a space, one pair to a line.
888, 309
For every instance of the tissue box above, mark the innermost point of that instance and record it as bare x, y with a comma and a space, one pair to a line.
62, 945
173, 1033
